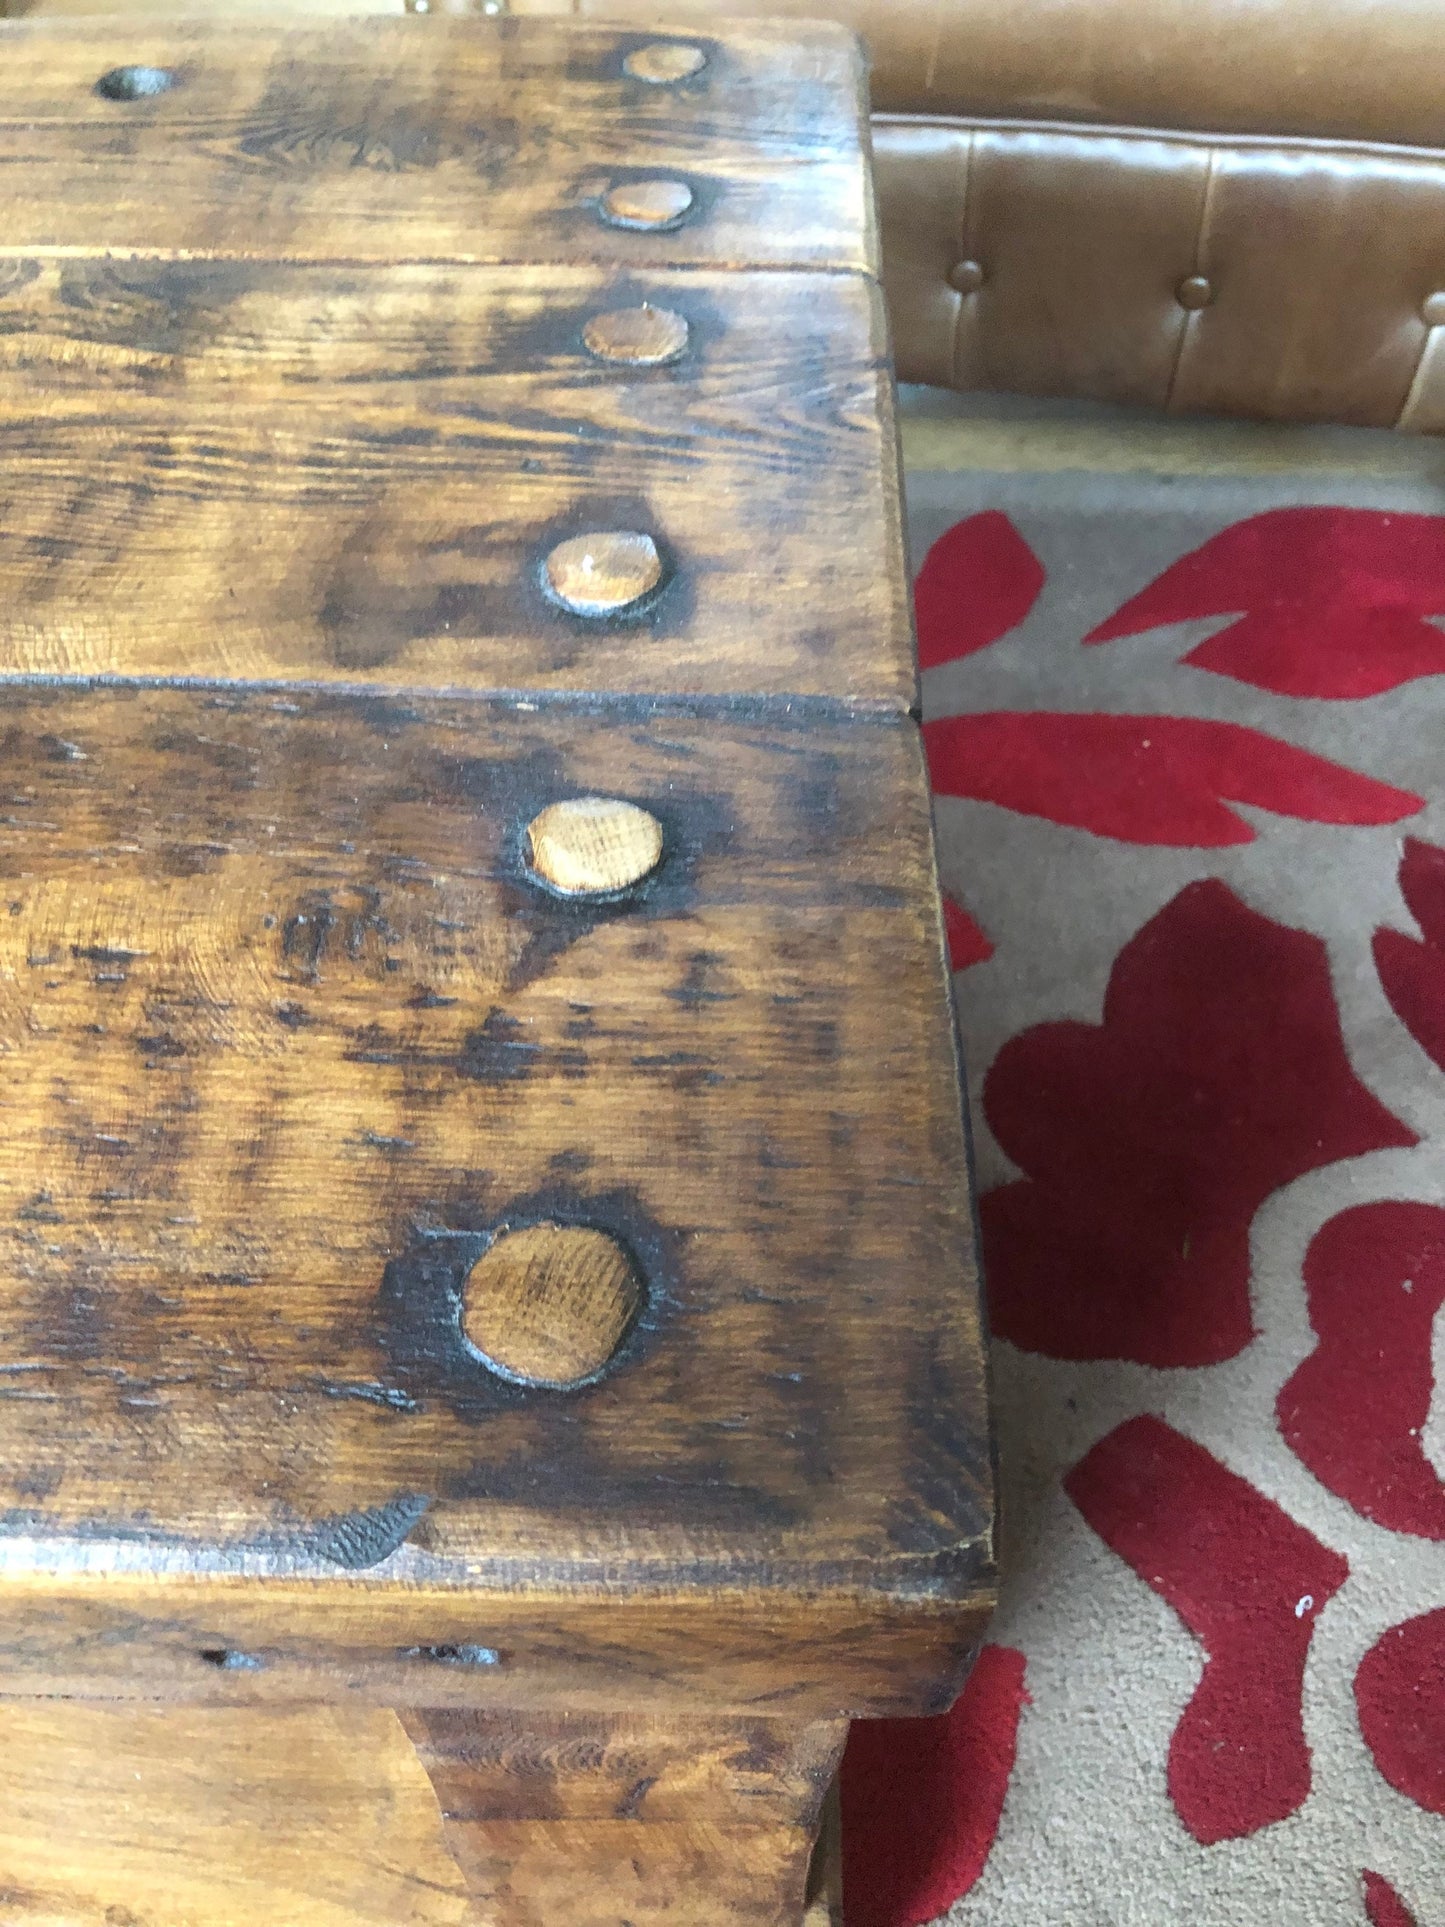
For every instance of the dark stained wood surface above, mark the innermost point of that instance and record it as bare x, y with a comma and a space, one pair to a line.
578, 1822
324, 1817
122, 1620
219, 1817
245, 470
430, 138
289, 1030
484, 1221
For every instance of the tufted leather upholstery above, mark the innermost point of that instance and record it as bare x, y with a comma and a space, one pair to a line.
1233, 206
1294, 281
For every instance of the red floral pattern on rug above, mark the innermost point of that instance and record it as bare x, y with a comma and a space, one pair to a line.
977, 582
1141, 779
967, 942
1150, 1141
1355, 1411
958, 1768
1328, 602
1147, 779
1400, 1694
1249, 1583
1383, 1906
1413, 971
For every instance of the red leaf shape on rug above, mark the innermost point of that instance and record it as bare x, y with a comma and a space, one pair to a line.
1354, 1410
922, 1798
1149, 1142
1383, 1905
1249, 1583
978, 581
968, 942
1331, 601
1147, 779
1400, 1698
1411, 972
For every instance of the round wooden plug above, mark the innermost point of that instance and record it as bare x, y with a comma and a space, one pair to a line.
663, 62
548, 1304
589, 846
655, 203
643, 337
603, 573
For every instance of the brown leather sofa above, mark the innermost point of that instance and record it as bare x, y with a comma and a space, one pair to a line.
1221, 206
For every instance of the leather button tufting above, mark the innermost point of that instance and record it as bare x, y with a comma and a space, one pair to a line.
1196, 292
966, 278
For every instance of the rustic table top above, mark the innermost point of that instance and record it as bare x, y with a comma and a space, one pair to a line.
484, 1191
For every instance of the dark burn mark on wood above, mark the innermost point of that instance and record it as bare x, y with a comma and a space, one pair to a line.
698, 987
304, 934
228, 1659
709, 193
629, 1807
40, 1210
345, 925
366, 1393
425, 998
319, 124
192, 859
71, 1323
497, 1051
551, 336
357, 1540
57, 750
159, 1046
951, 1469
467, 1654
684, 1071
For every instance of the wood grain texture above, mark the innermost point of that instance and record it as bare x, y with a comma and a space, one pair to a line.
644, 336
443, 1266
117, 1621
344, 1817
430, 138
548, 1304
575, 1822
250, 470
208, 1817
326, 1818
589, 846
287, 1031
760, 1773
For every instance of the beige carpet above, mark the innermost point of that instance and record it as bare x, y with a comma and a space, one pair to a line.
1199, 907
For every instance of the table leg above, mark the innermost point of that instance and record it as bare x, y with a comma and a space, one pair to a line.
595, 1820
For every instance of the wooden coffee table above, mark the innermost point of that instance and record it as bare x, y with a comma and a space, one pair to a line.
490, 1371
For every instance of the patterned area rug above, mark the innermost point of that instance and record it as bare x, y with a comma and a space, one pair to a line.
1187, 737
